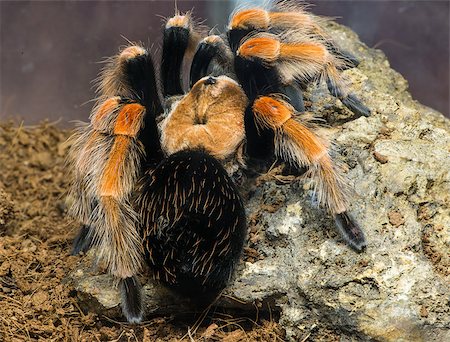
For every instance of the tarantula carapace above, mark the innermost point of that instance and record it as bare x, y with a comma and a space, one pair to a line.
156, 180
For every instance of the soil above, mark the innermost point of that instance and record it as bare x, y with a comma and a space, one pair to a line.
35, 241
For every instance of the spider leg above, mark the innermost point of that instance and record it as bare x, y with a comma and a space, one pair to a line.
130, 77
257, 78
337, 89
350, 61
282, 18
83, 240
193, 223
202, 58
180, 37
213, 57
109, 156
132, 299
298, 143
303, 60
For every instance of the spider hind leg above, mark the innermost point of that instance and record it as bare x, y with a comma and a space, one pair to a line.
83, 241
350, 231
132, 299
348, 100
299, 143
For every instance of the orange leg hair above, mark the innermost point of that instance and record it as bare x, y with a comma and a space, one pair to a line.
107, 155
297, 143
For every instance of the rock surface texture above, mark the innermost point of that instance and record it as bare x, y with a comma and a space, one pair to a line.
398, 163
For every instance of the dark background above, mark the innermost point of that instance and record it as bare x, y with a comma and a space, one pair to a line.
50, 49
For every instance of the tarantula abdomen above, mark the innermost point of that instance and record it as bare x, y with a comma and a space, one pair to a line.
194, 223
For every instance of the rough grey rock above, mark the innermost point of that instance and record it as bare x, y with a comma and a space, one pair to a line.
398, 163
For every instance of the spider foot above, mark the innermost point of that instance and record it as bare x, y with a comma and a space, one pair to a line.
132, 301
350, 61
82, 242
356, 106
350, 231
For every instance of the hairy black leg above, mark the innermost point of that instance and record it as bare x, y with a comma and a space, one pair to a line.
194, 223
260, 143
350, 231
258, 79
355, 105
213, 57
294, 96
140, 76
175, 43
132, 301
235, 36
350, 100
350, 60
202, 59
83, 240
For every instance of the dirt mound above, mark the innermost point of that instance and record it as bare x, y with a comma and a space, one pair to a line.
35, 239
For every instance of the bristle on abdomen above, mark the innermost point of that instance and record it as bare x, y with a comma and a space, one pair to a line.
193, 223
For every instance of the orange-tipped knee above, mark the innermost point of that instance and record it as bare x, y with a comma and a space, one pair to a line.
129, 120
254, 18
131, 52
105, 109
271, 112
265, 48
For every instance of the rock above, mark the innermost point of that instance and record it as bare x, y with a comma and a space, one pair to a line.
398, 163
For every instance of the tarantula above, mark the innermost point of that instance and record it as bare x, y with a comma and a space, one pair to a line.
156, 179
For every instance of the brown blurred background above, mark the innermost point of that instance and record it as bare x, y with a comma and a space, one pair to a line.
50, 49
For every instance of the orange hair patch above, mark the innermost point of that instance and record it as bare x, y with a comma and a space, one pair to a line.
129, 120
304, 51
105, 109
131, 52
178, 21
254, 18
110, 183
213, 39
294, 20
110, 205
313, 148
267, 49
271, 112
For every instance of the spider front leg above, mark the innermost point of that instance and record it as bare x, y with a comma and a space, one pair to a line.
213, 57
298, 143
298, 61
292, 20
108, 157
180, 38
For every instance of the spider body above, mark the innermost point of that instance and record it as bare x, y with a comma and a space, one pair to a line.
194, 222
156, 179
